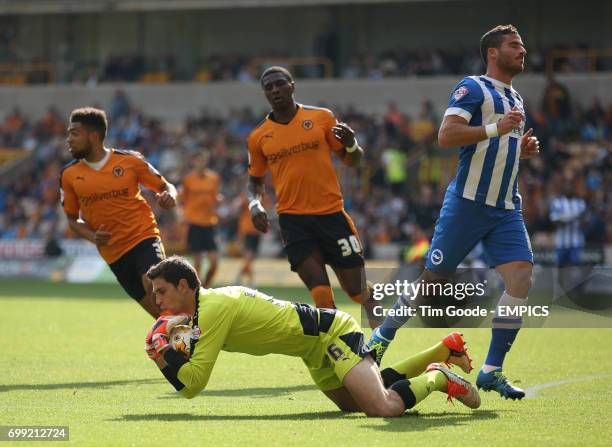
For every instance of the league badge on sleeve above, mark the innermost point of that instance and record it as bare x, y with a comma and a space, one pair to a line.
460, 93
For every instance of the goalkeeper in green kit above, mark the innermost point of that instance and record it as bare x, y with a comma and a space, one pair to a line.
329, 341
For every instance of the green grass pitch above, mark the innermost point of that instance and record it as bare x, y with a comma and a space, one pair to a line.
73, 355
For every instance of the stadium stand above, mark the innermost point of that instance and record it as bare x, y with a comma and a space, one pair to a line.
142, 42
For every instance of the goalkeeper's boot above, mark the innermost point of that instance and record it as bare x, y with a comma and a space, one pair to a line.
378, 345
458, 387
497, 381
458, 352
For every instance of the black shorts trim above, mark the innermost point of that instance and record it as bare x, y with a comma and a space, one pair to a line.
332, 234
201, 238
356, 342
314, 320
326, 318
130, 267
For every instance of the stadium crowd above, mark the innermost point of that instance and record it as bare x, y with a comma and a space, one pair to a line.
394, 197
390, 63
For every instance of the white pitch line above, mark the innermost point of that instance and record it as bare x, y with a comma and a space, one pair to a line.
532, 391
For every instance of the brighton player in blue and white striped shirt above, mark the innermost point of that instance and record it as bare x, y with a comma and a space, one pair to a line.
485, 118
566, 211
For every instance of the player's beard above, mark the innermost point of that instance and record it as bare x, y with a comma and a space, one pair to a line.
80, 154
511, 66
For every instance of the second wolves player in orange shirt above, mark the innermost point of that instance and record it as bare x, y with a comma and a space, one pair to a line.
101, 197
296, 142
250, 237
200, 197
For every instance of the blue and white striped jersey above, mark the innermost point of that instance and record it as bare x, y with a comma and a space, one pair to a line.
566, 212
487, 171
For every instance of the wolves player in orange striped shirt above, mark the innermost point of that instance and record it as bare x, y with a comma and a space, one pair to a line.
296, 142
101, 197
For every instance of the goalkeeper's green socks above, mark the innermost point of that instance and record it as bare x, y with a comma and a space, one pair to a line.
415, 365
416, 389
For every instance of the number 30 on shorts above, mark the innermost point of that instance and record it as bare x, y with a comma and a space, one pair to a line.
350, 245
159, 249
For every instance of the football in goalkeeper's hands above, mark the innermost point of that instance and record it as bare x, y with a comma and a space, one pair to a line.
180, 339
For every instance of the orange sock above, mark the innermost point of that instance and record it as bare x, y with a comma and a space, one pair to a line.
323, 296
357, 299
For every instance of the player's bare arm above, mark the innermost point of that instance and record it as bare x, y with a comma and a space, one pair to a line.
168, 197
80, 227
352, 154
255, 191
456, 132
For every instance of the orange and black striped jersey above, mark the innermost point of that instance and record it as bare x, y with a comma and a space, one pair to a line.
199, 197
111, 197
299, 156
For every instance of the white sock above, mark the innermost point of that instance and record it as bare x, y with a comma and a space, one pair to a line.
488, 368
508, 322
508, 300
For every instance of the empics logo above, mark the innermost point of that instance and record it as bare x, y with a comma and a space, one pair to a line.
436, 257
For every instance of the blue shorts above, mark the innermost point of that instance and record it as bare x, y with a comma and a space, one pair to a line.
463, 223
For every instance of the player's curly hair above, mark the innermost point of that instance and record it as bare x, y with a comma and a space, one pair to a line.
493, 39
173, 269
92, 118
